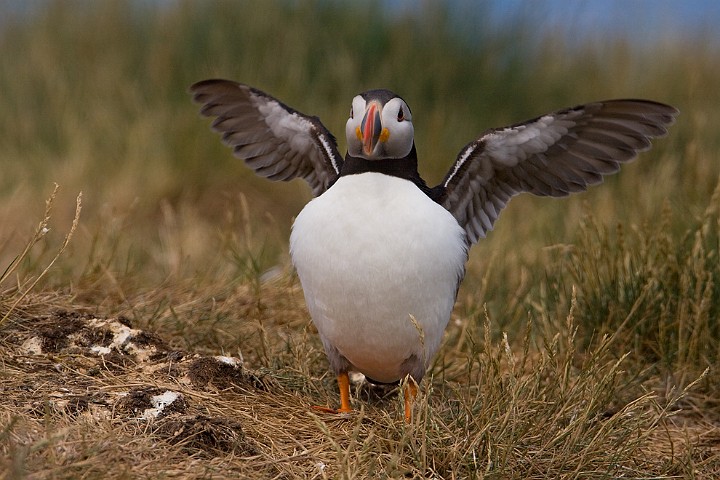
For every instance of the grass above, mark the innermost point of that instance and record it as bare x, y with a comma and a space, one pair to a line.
585, 339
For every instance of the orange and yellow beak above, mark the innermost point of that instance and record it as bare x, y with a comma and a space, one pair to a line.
371, 127
371, 131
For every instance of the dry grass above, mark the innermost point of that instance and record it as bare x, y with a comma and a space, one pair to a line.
491, 410
546, 404
585, 342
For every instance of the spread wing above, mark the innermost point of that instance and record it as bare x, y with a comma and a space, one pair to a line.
553, 155
275, 140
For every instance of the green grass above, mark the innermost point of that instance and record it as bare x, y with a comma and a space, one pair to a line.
586, 338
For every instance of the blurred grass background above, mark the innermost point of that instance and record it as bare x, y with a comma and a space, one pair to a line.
93, 97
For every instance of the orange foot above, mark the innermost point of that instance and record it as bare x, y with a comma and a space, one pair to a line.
344, 385
322, 409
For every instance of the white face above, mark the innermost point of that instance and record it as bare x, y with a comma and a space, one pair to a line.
376, 132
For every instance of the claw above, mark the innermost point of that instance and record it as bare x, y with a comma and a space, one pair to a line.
322, 409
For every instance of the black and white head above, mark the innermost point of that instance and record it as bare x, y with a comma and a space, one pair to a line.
380, 126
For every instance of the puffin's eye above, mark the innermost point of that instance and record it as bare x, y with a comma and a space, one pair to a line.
401, 115
351, 112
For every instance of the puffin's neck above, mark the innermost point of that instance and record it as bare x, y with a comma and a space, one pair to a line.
405, 167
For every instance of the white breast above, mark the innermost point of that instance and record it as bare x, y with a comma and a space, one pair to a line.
370, 252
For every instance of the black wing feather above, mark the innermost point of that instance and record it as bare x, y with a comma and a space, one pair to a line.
553, 155
275, 140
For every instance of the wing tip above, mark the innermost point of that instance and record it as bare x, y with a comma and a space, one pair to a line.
667, 112
204, 90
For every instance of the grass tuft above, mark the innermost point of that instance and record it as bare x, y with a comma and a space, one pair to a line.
22, 288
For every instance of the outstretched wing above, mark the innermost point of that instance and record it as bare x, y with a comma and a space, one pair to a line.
276, 141
553, 155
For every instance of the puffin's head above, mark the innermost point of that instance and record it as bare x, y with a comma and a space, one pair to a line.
380, 126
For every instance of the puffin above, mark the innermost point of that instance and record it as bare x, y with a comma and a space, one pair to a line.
380, 254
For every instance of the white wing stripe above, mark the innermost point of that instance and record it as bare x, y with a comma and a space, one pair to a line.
468, 151
329, 151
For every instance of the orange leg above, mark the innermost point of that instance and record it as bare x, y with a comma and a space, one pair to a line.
344, 385
411, 390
